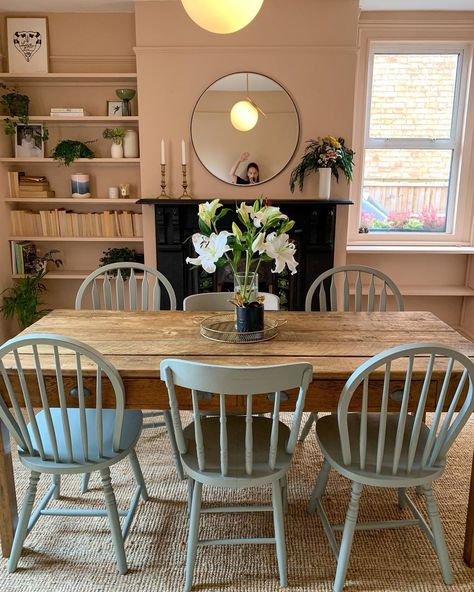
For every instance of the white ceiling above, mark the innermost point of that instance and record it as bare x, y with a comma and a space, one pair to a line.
127, 5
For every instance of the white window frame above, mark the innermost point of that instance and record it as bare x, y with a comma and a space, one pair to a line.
460, 204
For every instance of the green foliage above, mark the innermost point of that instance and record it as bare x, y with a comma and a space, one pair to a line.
118, 255
116, 134
68, 151
327, 152
22, 300
14, 102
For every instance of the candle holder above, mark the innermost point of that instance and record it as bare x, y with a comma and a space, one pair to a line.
185, 194
163, 194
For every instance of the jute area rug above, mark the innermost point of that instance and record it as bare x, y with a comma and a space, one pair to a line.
75, 554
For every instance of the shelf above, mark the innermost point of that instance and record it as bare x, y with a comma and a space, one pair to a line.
411, 249
118, 161
71, 77
85, 119
70, 200
96, 239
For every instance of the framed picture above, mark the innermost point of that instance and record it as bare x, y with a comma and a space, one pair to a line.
29, 140
114, 108
27, 42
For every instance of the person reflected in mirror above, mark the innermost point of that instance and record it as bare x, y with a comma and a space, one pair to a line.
252, 171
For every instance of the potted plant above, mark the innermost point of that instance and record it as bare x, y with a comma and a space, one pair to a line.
22, 300
327, 155
118, 255
14, 102
68, 151
116, 134
259, 234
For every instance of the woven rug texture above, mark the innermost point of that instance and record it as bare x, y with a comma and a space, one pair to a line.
75, 554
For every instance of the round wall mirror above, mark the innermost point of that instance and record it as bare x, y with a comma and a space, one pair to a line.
270, 143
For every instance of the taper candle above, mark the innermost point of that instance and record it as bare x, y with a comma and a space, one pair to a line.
163, 160
183, 152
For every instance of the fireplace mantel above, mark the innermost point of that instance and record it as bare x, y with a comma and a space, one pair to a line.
314, 234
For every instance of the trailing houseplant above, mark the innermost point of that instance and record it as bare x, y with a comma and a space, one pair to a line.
67, 151
16, 105
260, 233
326, 152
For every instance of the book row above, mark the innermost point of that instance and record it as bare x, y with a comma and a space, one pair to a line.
62, 222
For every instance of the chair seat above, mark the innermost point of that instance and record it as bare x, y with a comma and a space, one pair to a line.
327, 433
236, 475
132, 426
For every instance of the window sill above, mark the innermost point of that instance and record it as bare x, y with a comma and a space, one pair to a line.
412, 249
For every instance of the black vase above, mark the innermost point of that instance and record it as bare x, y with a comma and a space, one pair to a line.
249, 318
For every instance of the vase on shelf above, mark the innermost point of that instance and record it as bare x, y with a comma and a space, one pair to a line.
80, 185
116, 150
126, 94
249, 317
324, 182
130, 144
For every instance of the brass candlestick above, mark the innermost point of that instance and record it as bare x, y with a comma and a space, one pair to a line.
185, 194
163, 194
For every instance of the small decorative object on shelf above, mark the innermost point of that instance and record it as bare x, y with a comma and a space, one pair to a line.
126, 94
163, 194
259, 234
185, 194
27, 43
130, 144
113, 192
324, 153
124, 190
29, 140
114, 108
80, 185
116, 134
67, 151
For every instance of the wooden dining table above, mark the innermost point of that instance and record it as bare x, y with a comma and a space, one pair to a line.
335, 343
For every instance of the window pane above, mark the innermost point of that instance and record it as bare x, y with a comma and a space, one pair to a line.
412, 95
405, 190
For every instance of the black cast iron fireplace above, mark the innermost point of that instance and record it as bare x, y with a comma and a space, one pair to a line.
314, 234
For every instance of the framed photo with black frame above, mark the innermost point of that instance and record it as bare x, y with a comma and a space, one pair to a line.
29, 140
27, 44
114, 108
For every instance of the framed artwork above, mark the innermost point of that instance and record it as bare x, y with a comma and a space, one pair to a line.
114, 108
27, 42
29, 140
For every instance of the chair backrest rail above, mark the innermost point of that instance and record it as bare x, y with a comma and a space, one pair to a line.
62, 403
249, 435
223, 436
403, 415
201, 455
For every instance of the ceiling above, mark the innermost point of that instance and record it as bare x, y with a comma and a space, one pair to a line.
128, 5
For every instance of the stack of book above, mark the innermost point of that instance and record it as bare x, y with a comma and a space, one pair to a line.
22, 185
68, 112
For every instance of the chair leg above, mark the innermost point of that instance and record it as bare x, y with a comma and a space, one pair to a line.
284, 493
402, 498
22, 527
85, 482
56, 479
114, 521
137, 473
190, 495
307, 426
174, 446
193, 536
347, 536
279, 532
438, 534
320, 486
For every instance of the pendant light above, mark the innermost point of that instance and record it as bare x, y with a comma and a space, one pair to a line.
244, 114
222, 16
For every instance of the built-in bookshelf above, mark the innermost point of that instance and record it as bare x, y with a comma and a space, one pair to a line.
80, 228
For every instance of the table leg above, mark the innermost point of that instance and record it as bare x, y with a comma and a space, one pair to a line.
8, 508
469, 538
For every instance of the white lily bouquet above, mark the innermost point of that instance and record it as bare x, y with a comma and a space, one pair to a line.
259, 234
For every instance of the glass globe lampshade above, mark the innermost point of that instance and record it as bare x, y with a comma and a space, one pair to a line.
244, 116
222, 16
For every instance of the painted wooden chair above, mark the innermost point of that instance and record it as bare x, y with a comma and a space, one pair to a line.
70, 437
394, 449
236, 451
220, 301
122, 290
357, 278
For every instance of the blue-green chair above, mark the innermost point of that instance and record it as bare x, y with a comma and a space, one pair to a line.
394, 449
76, 435
236, 451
